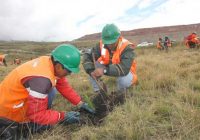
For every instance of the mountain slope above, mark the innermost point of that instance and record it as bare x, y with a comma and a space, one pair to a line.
152, 34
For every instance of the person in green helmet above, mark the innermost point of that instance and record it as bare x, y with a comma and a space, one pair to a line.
26, 94
113, 56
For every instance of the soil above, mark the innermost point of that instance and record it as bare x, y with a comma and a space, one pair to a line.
103, 105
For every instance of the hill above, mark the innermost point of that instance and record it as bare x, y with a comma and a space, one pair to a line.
152, 34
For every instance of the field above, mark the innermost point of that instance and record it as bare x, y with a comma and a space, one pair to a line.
164, 105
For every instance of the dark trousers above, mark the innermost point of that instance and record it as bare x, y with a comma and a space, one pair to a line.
192, 44
10, 130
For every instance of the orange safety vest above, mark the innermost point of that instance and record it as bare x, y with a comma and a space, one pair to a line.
159, 45
193, 38
13, 95
105, 56
2, 57
17, 61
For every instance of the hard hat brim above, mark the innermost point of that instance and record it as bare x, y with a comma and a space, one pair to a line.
109, 41
73, 70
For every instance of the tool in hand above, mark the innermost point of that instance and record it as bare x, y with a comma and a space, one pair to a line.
99, 82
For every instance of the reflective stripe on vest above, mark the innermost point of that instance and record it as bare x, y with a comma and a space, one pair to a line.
36, 94
105, 56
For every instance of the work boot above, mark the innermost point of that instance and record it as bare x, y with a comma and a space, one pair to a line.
10, 133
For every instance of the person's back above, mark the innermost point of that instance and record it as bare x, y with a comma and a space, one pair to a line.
192, 37
189, 37
192, 40
28, 91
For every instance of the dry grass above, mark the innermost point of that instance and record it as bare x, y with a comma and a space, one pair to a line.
165, 105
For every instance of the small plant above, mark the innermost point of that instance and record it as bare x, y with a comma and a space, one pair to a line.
87, 100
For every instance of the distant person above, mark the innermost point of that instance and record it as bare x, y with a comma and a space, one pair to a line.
17, 61
160, 44
192, 40
113, 56
167, 43
3, 60
26, 94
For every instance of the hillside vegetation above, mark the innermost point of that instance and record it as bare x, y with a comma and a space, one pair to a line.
164, 105
137, 36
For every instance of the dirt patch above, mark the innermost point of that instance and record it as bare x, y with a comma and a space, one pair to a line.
103, 105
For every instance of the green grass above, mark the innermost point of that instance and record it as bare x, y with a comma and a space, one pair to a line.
165, 105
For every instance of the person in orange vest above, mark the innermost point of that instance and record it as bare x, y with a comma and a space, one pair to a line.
192, 40
17, 61
3, 60
26, 94
113, 56
160, 44
167, 43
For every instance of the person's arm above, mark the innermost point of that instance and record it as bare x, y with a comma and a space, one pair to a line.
88, 63
37, 112
67, 91
70, 94
125, 64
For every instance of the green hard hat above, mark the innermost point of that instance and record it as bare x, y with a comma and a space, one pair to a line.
68, 55
110, 34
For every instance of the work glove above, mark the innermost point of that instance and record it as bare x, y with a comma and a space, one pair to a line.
71, 117
86, 108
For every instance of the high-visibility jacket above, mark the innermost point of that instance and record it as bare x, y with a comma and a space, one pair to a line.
105, 56
192, 38
13, 95
17, 61
2, 57
159, 45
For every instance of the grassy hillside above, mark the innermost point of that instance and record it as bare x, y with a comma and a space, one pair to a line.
165, 104
177, 33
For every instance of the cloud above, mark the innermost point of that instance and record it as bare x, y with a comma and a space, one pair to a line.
61, 20
173, 12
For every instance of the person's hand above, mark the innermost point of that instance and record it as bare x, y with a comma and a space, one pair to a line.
98, 72
88, 109
71, 117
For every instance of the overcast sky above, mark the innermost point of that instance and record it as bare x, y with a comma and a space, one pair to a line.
65, 20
